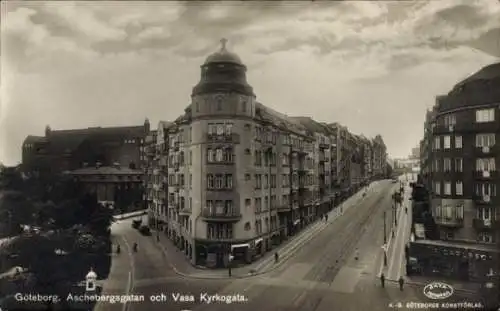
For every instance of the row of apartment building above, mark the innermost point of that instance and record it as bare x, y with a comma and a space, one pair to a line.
230, 175
458, 157
233, 176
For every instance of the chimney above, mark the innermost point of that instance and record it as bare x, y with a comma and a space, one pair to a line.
98, 164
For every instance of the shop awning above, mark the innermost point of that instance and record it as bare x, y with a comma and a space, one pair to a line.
239, 246
296, 222
258, 240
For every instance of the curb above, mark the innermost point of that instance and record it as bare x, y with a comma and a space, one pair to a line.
283, 260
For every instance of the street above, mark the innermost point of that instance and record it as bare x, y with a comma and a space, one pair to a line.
322, 274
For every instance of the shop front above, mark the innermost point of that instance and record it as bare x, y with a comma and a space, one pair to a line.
451, 260
215, 254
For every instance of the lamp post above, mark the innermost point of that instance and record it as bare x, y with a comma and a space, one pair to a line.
385, 230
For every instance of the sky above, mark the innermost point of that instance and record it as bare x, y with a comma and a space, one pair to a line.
374, 67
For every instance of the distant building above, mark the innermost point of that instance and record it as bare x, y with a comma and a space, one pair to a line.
114, 186
415, 153
66, 150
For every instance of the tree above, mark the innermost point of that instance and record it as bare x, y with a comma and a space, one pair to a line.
11, 178
95, 216
16, 210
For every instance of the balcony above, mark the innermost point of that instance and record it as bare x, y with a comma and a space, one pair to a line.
176, 146
449, 222
482, 199
284, 208
324, 145
220, 216
225, 138
485, 175
487, 151
186, 211
482, 224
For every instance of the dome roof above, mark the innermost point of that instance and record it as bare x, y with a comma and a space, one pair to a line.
223, 56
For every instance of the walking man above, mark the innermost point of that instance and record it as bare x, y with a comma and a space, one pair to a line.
382, 280
401, 283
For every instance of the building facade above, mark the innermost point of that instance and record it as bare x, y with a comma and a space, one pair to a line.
236, 177
66, 150
458, 159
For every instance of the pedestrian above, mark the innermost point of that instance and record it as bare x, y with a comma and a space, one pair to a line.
326, 217
406, 210
401, 283
356, 254
382, 280
276, 257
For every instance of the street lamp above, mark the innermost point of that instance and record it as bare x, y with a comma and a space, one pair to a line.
385, 230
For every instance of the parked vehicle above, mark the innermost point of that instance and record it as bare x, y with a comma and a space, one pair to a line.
136, 223
145, 230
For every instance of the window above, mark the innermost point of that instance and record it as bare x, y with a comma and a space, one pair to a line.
244, 106
485, 140
459, 210
229, 128
458, 142
485, 164
219, 155
485, 115
447, 142
229, 181
437, 143
459, 188
219, 181
450, 119
210, 155
247, 151
212, 129
484, 237
437, 187
447, 212
248, 202
488, 189
458, 165
446, 165
210, 181
436, 165
220, 129
484, 213
447, 188
247, 177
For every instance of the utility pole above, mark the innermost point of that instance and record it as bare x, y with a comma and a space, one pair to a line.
385, 229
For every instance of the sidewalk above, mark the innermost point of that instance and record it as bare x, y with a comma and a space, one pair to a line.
180, 264
119, 280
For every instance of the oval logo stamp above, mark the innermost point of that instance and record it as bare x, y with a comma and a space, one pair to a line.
438, 290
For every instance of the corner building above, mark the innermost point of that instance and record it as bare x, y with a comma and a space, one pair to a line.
459, 160
232, 176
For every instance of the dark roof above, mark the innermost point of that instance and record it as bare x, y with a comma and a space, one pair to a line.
30, 139
489, 72
106, 170
65, 142
311, 125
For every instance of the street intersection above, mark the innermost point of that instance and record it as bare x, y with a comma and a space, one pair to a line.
319, 271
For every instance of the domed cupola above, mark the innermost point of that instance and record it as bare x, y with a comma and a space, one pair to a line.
223, 71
